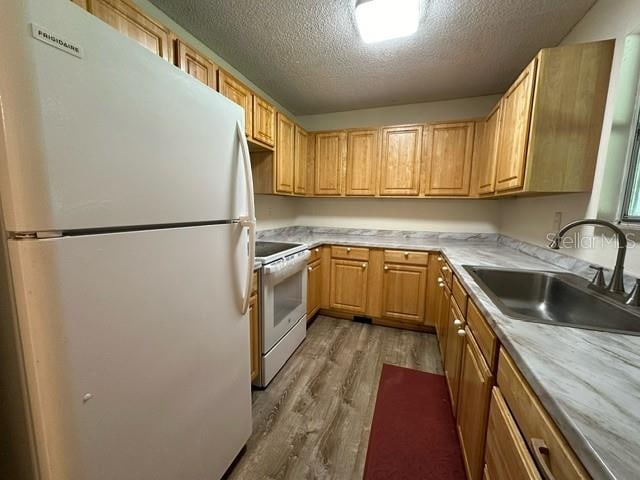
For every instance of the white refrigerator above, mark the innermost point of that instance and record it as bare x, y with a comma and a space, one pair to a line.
128, 245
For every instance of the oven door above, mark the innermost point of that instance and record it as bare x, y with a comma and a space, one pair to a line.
284, 297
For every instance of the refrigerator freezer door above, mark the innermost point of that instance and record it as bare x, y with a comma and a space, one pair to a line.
136, 353
113, 137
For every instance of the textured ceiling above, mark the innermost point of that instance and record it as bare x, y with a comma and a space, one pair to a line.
307, 54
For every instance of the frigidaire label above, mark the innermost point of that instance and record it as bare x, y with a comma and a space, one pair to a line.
56, 41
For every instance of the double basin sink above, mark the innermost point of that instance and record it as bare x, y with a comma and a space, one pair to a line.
555, 298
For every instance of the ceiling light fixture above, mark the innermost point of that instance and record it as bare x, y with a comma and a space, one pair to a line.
380, 20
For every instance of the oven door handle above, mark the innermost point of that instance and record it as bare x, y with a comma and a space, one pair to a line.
278, 271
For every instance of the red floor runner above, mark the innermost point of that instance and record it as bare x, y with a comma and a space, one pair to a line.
413, 434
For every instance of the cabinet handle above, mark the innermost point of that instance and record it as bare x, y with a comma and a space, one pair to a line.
406, 254
441, 285
364, 265
439, 258
457, 323
386, 267
317, 250
309, 269
445, 269
440, 279
461, 333
348, 249
540, 451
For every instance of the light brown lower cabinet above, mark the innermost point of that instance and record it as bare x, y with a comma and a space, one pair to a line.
453, 352
348, 290
442, 323
474, 395
506, 455
314, 284
254, 337
404, 291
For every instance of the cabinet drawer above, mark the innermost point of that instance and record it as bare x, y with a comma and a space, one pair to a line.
350, 253
537, 427
254, 283
315, 254
506, 456
459, 294
484, 335
406, 256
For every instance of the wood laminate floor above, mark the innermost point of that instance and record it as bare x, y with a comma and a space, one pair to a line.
313, 420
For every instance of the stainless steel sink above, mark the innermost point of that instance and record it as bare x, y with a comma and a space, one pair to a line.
554, 298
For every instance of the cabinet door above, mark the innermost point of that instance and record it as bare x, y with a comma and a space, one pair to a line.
488, 153
254, 337
442, 325
128, 20
285, 155
506, 454
264, 121
474, 396
349, 285
300, 164
362, 162
240, 94
403, 292
514, 131
330, 153
453, 352
433, 292
448, 158
189, 60
314, 282
400, 160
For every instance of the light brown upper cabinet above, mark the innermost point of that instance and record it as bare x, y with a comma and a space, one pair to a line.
330, 154
449, 151
363, 155
284, 177
514, 134
127, 19
264, 121
487, 152
400, 160
240, 94
300, 164
189, 60
551, 121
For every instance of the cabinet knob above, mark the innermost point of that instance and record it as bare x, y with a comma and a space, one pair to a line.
386, 267
364, 265
348, 249
457, 323
309, 268
439, 258
406, 254
317, 250
445, 269
440, 279
461, 333
441, 285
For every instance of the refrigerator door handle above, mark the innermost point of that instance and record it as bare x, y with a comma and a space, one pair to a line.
248, 221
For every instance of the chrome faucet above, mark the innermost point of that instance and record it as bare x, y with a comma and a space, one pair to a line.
616, 284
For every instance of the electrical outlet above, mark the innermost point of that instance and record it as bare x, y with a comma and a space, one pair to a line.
557, 221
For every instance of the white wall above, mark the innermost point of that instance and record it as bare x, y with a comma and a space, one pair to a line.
463, 108
530, 219
275, 212
400, 214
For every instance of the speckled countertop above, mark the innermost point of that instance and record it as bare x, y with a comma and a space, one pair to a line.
588, 381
